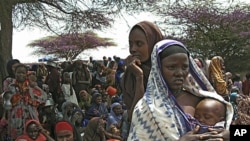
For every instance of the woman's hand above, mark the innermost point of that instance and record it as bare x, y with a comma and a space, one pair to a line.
220, 133
211, 135
133, 64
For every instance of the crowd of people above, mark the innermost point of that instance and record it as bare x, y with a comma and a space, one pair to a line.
159, 92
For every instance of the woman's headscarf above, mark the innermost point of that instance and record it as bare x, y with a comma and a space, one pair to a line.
157, 116
9, 67
153, 35
92, 132
216, 75
113, 118
103, 111
26, 137
66, 125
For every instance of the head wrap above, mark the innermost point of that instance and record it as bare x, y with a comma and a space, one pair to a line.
63, 125
153, 35
172, 50
111, 91
216, 75
233, 97
26, 137
9, 67
91, 132
157, 115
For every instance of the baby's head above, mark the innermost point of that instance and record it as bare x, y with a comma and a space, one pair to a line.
209, 111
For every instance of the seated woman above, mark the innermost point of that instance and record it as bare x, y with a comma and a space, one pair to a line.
85, 100
64, 130
34, 132
97, 107
67, 108
115, 118
77, 118
95, 131
162, 113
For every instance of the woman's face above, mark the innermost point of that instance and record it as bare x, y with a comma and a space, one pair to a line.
13, 67
21, 74
32, 131
65, 135
138, 45
117, 109
83, 95
175, 69
78, 116
98, 100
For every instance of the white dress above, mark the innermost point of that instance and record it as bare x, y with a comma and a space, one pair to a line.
66, 91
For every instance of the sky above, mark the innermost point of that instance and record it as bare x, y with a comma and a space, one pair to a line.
119, 33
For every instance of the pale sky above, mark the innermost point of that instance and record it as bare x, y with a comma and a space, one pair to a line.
119, 33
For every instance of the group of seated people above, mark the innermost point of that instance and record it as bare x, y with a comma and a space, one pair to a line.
170, 107
30, 109
79, 118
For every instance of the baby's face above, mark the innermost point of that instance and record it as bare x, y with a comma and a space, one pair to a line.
208, 113
206, 117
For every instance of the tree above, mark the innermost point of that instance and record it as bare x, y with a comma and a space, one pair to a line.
69, 46
61, 16
209, 28
57, 16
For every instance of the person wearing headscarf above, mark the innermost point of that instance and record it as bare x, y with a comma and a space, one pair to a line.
165, 111
64, 130
121, 67
233, 99
85, 100
67, 108
81, 77
97, 107
95, 131
142, 38
34, 132
77, 119
217, 76
246, 85
25, 101
115, 116
11, 74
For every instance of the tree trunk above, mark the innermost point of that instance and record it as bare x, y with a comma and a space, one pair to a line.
6, 31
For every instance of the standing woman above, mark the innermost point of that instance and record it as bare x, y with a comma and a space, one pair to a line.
81, 78
142, 38
11, 71
166, 111
25, 101
217, 76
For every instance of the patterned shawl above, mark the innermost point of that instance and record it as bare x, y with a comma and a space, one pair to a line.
216, 75
157, 116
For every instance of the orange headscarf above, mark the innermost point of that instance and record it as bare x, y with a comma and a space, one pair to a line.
216, 75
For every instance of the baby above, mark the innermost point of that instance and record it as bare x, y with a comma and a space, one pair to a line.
210, 113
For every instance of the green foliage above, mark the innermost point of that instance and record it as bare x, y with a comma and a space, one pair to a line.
210, 28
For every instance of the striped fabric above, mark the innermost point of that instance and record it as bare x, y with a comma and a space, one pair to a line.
157, 116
